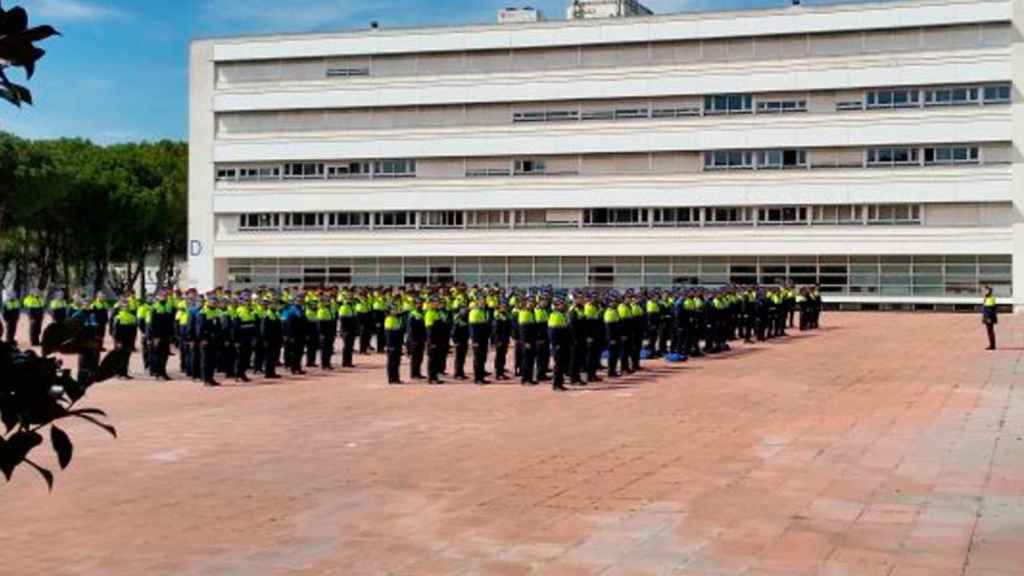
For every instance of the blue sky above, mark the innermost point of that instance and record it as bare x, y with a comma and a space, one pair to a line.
120, 72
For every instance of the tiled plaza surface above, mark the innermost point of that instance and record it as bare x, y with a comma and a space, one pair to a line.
889, 445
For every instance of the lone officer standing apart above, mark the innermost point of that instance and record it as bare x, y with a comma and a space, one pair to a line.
990, 317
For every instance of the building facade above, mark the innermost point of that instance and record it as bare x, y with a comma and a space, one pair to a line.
870, 148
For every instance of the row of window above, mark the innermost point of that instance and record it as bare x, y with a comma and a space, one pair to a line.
885, 156
401, 168
720, 104
638, 54
781, 158
874, 214
866, 275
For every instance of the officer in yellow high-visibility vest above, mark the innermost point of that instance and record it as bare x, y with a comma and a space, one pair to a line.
990, 317
124, 331
35, 307
479, 337
394, 334
561, 344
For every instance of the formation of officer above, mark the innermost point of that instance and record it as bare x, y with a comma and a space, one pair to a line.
579, 337
563, 337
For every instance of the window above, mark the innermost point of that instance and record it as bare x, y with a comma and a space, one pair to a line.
901, 156
631, 113
526, 167
303, 170
728, 104
259, 221
782, 158
446, 219
893, 99
350, 170
598, 115
394, 219
950, 96
675, 216
347, 72
550, 116
997, 94
782, 215
304, 221
348, 220
394, 168
674, 112
849, 105
614, 217
729, 159
894, 214
781, 106
227, 174
728, 216
563, 115
951, 155
529, 117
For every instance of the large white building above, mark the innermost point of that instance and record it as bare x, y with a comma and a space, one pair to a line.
871, 148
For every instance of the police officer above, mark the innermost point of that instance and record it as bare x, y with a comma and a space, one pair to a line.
394, 335
560, 338
245, 326
159, 331
35, 307
437, 341
184, 335
207, 328
124, 330
271, 332
501, 337
415, 340
294, 331
58, 307
312, 330
460, 340
540, 318
578, 333
528, 340
349, 330
328, 324
990, 317
479, 335
611, 328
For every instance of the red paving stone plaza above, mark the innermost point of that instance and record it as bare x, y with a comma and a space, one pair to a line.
887, 444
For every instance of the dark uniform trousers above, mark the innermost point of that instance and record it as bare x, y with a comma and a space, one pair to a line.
613, 349
561, 348
394, 351
349, 331
460, 337
11, 318
479, 336
328, 333
35, 325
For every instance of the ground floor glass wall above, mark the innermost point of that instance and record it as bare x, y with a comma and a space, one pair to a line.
926, 276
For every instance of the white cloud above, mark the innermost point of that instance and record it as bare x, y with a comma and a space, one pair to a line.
68, 10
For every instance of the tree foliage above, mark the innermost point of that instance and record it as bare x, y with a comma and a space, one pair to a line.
70, 210
18, 50
36, 394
